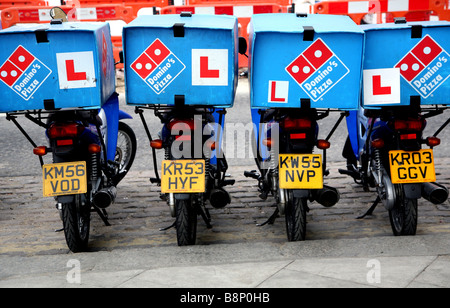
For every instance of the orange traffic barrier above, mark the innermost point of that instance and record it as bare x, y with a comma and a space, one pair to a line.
236, 2
4, 4
242, 11
136, 5
386, 11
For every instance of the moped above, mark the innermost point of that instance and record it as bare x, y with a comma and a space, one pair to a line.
187, 75
403, 87
92, 148
384, 151
297, 77
191, 140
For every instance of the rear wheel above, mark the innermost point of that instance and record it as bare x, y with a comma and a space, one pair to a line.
403, 216
295, 214
76, 218
125, 151
186, 222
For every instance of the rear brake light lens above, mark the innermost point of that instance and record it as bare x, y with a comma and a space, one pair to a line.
65, 130
64, 142
408, 137
291, 124
298, 136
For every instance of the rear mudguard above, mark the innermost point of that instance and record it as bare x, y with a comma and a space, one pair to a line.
65, 199
413, 191
182, 196
301, 193
113, 115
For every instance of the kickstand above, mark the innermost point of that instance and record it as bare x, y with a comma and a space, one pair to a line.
205, 217
167, 228
103, 215
370, 210
271, 219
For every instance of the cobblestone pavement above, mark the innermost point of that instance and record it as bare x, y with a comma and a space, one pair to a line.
28, 221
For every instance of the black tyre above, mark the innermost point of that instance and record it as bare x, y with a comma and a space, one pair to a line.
403, 216
295, 214
186, 222
76, 217
125, 151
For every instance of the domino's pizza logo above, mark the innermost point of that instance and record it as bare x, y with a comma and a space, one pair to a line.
23, 73
425, 67
157, 66
317, 69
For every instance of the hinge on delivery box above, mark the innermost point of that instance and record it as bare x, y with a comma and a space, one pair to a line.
179, 101
41, 36
308, 33
178, 30
49, 104
416, 31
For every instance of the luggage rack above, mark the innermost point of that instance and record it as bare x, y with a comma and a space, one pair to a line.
162, 110
39, 117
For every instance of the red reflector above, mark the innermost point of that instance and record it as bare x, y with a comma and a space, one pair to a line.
408, 137
298, 136
64, 142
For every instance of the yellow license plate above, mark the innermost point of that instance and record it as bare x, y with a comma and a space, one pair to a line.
300, 171
412, 167
183, 176
64, 179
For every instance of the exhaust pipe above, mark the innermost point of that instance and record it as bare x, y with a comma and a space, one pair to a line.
105, 197
327, 196
434, 192
219, 198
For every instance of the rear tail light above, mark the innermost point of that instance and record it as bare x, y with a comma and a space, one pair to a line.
65, 130
417, 125
291, 124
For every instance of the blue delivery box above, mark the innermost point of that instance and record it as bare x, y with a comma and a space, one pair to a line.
52, 66
406, 63
190, 56
297, 58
